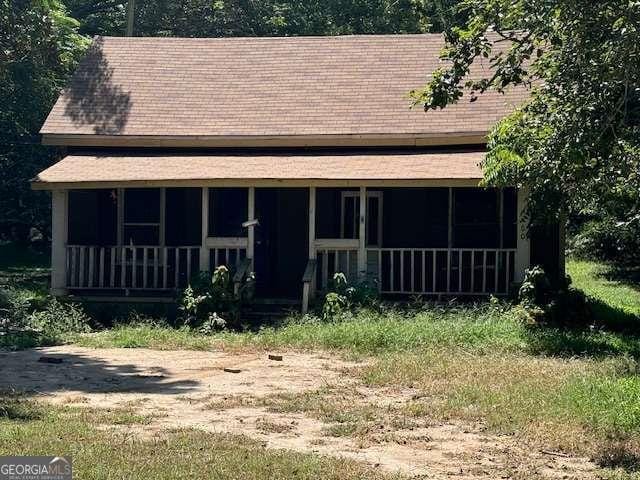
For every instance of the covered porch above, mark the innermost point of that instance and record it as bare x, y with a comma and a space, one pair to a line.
120, 236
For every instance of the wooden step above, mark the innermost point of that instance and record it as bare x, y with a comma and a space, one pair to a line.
276, 301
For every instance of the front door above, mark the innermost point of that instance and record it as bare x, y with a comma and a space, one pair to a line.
281, 241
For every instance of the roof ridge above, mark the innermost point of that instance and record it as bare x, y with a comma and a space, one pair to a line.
279, 37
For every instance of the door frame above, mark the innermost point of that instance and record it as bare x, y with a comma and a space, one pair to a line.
356, 196
279, 232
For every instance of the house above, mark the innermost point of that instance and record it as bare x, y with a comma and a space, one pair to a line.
291, 157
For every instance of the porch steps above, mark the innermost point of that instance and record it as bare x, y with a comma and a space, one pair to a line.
266, 311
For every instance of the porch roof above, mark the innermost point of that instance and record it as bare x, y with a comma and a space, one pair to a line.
99, 170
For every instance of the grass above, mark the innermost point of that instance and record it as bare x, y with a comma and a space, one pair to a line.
479, 329
27, 427
145, 336
614, 291
25, 270
571, 390
367, 332
575, 405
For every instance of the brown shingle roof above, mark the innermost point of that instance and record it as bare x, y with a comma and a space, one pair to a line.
346, 85
173, 169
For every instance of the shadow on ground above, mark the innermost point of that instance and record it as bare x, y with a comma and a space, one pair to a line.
629, 276
22, 371
609, 331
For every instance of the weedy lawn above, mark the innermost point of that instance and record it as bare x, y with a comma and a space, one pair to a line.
28, 427
574, 391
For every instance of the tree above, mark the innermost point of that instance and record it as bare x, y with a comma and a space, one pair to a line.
38, 48
576, 143
40, 40
215, 18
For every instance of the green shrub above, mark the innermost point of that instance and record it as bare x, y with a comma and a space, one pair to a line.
209, 302
343, 297
58, 319
560, 305
29, 321
14, 310
608, 239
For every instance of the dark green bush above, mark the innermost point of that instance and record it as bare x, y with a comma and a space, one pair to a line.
209, 302
343, 297
26, 322
556, 304
607, 239
59, 318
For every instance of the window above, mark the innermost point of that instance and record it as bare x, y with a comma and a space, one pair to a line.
141, 219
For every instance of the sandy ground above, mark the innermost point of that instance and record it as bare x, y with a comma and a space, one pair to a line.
182, 389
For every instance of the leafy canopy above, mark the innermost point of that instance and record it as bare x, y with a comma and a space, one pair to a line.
576, 143
40, 40
215, 18
38, 47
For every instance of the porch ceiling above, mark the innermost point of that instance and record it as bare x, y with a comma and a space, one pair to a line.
107, 170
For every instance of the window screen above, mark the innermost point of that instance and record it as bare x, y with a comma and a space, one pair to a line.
228, 209
476, 218
510, 218
183, 216
141, 224
92, 217
416, 217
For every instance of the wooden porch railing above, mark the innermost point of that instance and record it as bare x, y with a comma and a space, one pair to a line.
229, 251
332, 260
307, 284
241, 273
137, 267
444, 271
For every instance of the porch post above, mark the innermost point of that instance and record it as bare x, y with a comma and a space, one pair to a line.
362, 237
522, 259
59, 232
312, 222
204, 251
308, 291
251, 214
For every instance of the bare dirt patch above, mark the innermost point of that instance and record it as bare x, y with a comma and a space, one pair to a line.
306, 402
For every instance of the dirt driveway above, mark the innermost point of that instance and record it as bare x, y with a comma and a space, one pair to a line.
305, 402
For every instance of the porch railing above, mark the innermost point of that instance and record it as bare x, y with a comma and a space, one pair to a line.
466, 271
335, 259
137, 267
229, 251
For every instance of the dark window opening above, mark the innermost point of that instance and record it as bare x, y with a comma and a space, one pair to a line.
476, 218
350, 213
183, 216
141, 223
510, 218
141, 235
93, 217
329, 219
415, 217
228, 209
142, 205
